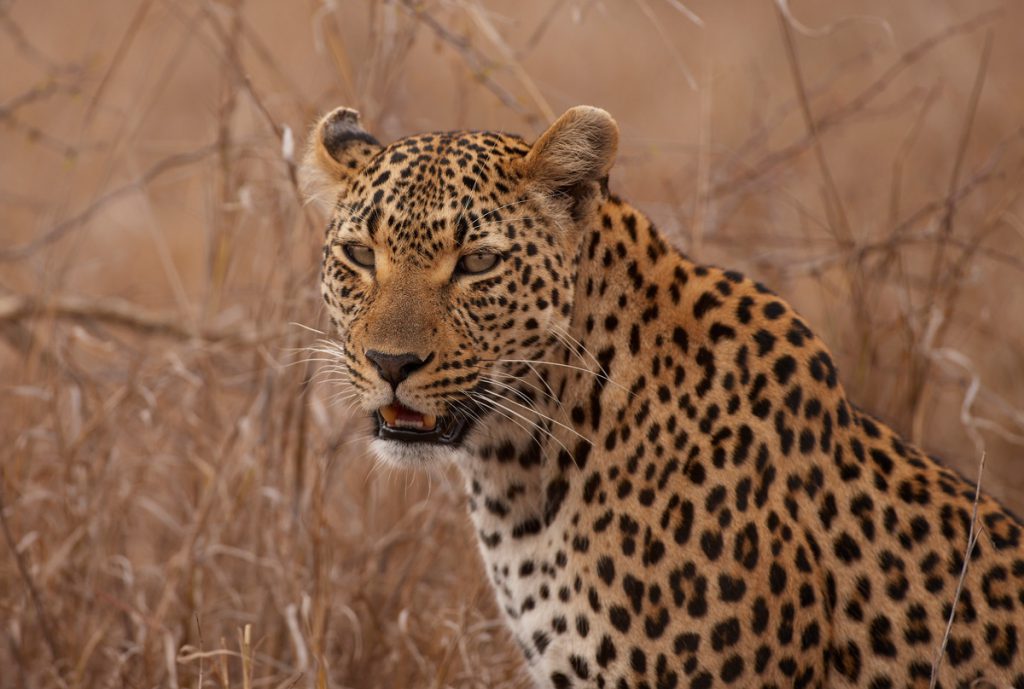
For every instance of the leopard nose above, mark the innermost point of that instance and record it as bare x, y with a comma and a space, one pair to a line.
394, 368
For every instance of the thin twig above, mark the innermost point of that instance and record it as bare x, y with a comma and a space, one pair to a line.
900, 233
972, 539
28, 49
122, 49
471, 57
45, 624
739, 182
939, 281
961, 151
669, 43
120, 313
62, 228
530, 86
779, 114
541, 28
829, 29
235, 63
34, 95
903, 153
835, 199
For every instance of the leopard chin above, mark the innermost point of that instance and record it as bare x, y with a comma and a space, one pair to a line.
405, 455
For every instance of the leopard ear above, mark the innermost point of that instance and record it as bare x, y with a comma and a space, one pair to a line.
338, 148
578, 148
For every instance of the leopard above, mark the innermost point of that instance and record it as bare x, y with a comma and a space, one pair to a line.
668, 485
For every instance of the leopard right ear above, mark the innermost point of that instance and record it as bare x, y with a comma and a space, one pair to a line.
337, 150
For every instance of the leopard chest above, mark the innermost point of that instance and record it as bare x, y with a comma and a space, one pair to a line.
530, 529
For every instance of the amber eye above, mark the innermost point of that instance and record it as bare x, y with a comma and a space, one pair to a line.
479, 262
359, 254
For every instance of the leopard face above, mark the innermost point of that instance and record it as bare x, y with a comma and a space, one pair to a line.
449, 260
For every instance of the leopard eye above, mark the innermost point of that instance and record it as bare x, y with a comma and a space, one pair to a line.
476, 263
359, 254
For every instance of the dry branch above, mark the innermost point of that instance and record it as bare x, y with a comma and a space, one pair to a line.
28, 49
477, 64
112, 311
62, 228
119, 54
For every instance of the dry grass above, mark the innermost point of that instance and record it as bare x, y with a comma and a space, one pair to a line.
184, 501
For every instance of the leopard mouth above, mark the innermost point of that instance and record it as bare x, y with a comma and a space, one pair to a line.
398, 422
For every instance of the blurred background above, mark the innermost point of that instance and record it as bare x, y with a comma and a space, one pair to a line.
184, 501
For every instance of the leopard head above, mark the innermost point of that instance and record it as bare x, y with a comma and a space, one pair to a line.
450, 259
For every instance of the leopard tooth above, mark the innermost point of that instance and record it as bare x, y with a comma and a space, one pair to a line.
429, 422
389, 414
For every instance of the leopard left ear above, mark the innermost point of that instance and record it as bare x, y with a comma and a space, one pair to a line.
578, 148
338, 149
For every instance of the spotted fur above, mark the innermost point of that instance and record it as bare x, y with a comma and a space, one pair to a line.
668, 482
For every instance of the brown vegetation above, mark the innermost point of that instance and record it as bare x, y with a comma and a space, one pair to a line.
184, 501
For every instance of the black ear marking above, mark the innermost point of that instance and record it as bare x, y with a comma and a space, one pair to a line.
337, 150
341, 129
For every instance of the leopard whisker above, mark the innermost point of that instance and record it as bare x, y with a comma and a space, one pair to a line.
569, 366
549, 393
523, 396
535, 424
519, 393
546, 417
498, 410
562, 334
